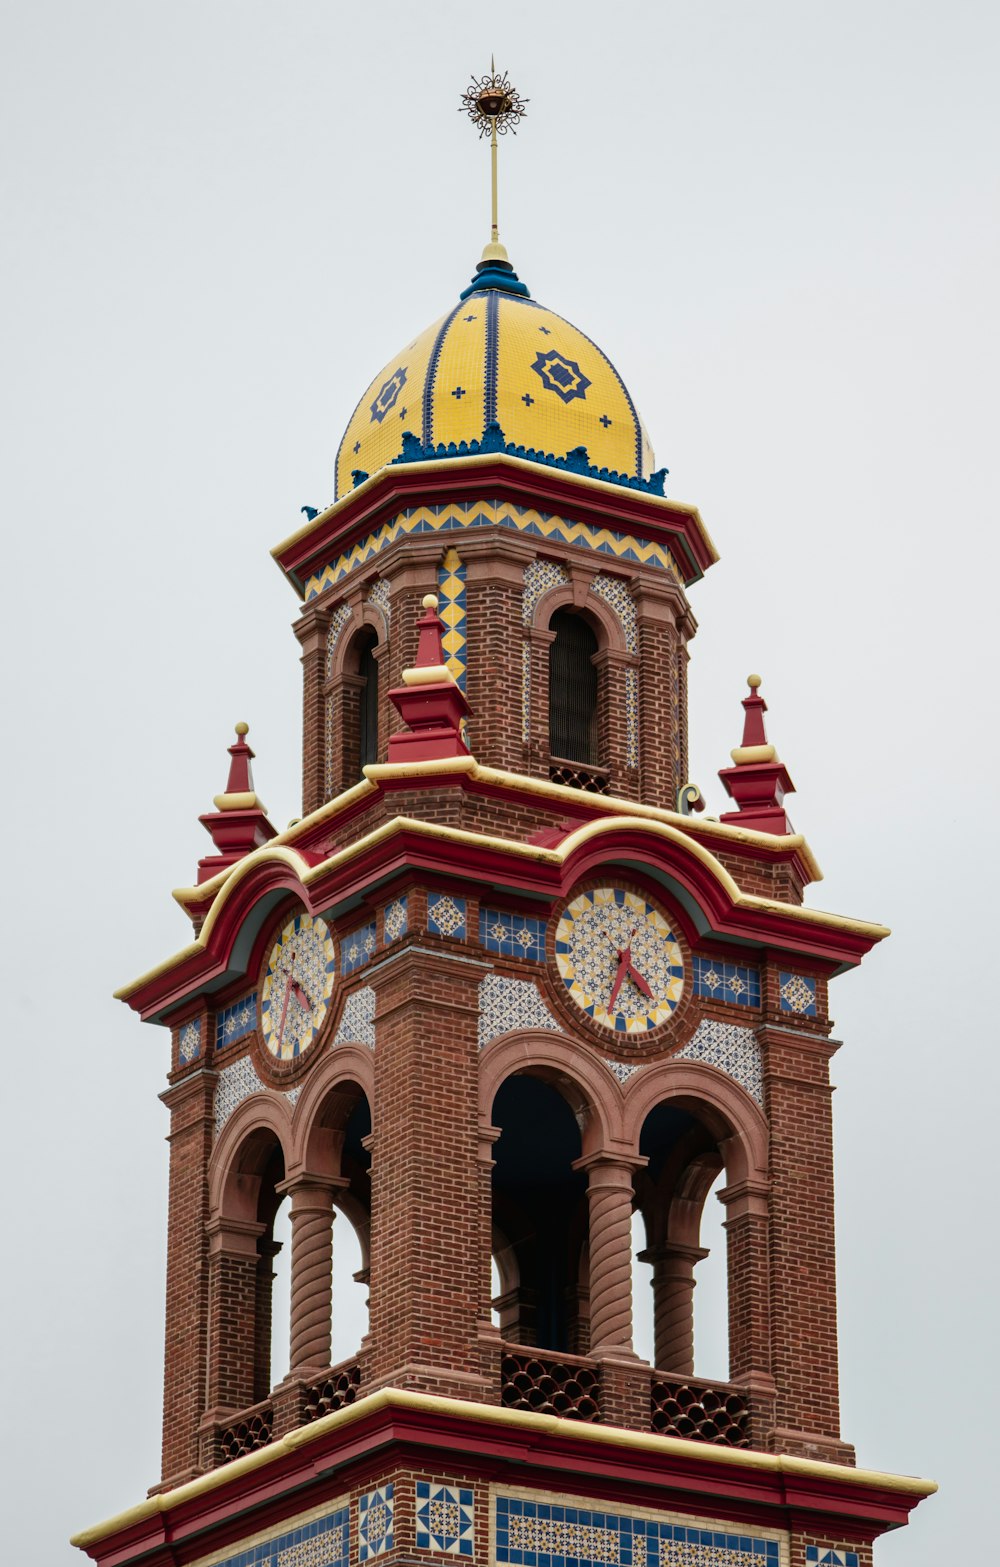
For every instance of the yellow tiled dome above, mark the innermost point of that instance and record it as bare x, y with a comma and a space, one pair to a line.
498, 357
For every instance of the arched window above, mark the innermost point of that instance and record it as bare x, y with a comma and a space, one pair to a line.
572, 689
367, 700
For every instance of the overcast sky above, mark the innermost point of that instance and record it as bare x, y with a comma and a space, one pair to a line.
220, 220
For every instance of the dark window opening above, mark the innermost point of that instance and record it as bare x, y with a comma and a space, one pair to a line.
572, 689
368, 704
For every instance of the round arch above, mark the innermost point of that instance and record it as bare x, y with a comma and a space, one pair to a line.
590, 1090
242, 1151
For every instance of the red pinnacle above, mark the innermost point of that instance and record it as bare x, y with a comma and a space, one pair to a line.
757, 781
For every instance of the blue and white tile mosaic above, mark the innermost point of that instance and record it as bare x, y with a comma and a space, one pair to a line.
357, 1021
358, 948
623, 1070
553, 1534
189, 1042
815, 1554
338, 620
236, 1083
512, 935
445, 1520
317, 1542
539, 577
375, 1523
446, 915
614, 591
735, 983
380, 596
506, 1004
798, 994
395, 921
236, 1021
735, 1051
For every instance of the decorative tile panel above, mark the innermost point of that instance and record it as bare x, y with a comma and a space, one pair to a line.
735, 1051
512, 935
631, 718
539, 577
395, 920
533, 1533
614, 591
444, 1519
358, 948
236, 1083
338, 620
823, 1558
236, 1021
506, 1004
312, 1542
623, 1070
451, 589
548, 529
525, 692
189, 1042
375, 1523
357, 1021
446, 915
380, 596
798, 994
735, 983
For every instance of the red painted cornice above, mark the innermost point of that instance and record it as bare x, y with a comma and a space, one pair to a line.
496, 477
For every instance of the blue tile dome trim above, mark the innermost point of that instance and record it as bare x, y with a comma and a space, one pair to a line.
499, 275
431, 377
493, 440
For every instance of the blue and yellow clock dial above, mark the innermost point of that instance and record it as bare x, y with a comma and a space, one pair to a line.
619, 960
297, 987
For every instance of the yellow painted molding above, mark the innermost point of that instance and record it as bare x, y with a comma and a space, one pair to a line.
239, 802
429, 675
753, 753
487, 1414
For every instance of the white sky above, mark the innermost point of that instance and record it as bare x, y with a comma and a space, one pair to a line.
220, 220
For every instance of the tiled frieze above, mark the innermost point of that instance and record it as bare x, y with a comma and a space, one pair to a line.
375, 1523
623, 1070
506, 1004
236, 1021
816, 1556
797, 994
338, 620
543, 527
565, 1533
358, 948
539, 577
237, 1082
310, 1541
512, 935
189, 1042
734, 1050
631, 718
380, 595
451, 608
445, 1519
734, 983
525, 692
395, 920
357, 1021
446, 915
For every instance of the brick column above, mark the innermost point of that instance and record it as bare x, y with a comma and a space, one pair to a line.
609, 1193
673, 1304
748, 1263
612, 723
190, 1102
311, 629
232, 1328
664, 622
802, 1256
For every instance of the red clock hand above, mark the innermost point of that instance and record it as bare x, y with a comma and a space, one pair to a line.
624, 962
284, 1009
638, 981
300, 996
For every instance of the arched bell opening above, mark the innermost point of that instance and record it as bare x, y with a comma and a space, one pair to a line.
675, 1232
573, 690
539, 1217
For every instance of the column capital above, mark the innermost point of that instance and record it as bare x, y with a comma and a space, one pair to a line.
233, 1237
747, 1197
613, 1165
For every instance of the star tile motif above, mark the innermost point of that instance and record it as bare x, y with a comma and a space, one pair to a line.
189, 1042
235, 1021
508, 1004
446, 915
395, 920
512, 935
387, 394
444, 1519
733, 1050
594, 933
375, 1523
357, 948
562, 1532
798, 994
737, 984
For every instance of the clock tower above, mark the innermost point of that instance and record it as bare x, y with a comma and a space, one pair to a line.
504, 985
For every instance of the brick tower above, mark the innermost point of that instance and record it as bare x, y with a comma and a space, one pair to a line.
502, 986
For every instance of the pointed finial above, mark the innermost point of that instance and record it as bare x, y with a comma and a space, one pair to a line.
494, 107
430, 701
239, 822
758, 781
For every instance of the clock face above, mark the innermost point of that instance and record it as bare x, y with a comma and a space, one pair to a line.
297, 987
619, 960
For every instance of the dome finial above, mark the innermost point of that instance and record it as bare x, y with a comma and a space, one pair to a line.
493, 105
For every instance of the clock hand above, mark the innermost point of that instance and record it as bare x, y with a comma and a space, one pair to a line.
301, 996
624, 962
284, 1009
638, 981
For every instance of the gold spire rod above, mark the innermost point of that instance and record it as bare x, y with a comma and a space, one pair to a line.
493, 106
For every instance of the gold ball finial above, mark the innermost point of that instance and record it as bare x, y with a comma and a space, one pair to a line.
753, 681
492, 103
430, 601
242, 729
